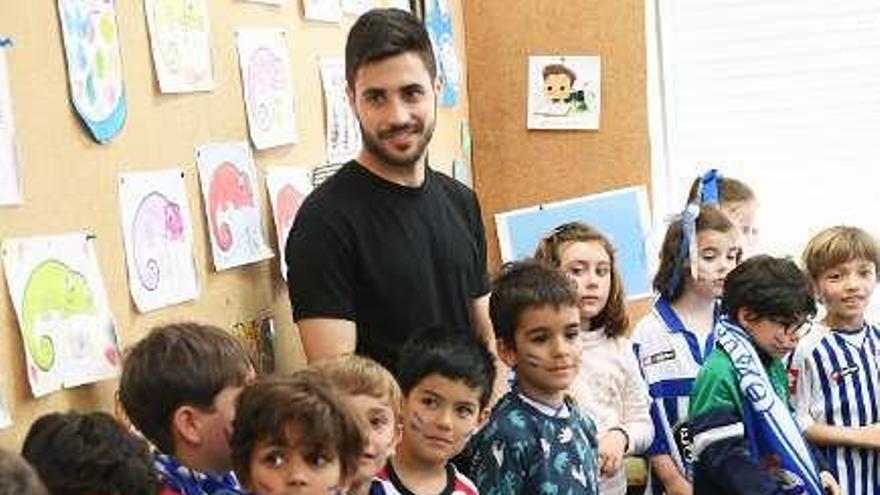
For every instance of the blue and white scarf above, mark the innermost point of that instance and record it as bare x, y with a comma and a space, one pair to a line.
191, 482
770, 429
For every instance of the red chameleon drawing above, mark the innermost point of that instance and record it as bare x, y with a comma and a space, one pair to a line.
230, 188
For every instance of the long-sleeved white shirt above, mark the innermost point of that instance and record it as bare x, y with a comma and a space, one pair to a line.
610, 388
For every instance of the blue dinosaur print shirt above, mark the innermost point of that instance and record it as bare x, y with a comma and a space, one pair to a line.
523, 450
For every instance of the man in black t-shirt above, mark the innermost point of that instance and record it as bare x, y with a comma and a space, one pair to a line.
387, 247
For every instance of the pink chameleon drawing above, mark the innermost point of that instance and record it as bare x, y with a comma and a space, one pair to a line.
289, 201
156, 223
230, 188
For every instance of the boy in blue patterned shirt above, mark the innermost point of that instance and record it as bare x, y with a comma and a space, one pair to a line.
536, 442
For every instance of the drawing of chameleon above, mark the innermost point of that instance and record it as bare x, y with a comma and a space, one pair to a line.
53, 290
289, 201
230, 188
157, 222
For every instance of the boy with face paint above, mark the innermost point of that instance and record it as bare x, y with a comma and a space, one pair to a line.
536, 441
446, 378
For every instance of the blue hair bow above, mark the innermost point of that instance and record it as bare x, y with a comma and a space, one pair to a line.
709, 191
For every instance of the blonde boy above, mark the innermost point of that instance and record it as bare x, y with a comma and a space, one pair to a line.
834, 370
373, 396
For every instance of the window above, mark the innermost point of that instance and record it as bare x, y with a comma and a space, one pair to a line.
782, 94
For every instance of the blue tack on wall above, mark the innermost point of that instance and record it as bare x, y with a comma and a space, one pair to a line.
621, 215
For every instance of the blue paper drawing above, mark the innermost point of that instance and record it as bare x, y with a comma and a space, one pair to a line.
622, 215
438, 21
94, 65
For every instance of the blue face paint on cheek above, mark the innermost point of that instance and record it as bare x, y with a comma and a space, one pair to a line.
532, 360
416, 423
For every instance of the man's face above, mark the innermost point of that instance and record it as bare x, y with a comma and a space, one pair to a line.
394, 100
557, 87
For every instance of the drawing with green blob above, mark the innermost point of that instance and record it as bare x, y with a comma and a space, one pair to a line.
52, 289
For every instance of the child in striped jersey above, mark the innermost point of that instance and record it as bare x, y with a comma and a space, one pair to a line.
835, 370
446, 376
609, 386
672, 341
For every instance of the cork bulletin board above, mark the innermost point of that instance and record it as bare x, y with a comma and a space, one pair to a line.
515, 167
70, 181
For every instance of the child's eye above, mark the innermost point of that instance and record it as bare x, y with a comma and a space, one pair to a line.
539, 339
274, 458
429, 402
575, 271
833, 276
603, 271
572, 334
318, 459
464, 412
379, 422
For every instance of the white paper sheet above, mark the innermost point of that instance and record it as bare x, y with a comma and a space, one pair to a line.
268, 90
94, 65
157, 230
10, 171
322, 10
59, 298
180, 39
288, 188
232, 204
343, 134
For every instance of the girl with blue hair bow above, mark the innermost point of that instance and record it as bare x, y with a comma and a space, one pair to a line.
671, 342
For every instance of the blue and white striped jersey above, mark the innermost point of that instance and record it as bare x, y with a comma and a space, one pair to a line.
670, 357
834, 378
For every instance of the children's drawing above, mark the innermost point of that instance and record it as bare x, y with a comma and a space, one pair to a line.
358, 7
5, 417
268, 91
10, 177
258, 338
288, 188
269, 2
157, 231
322, 10
94, 65
438, 21
564, 92
622, 215
232, 207
181, 44
343, 131
59, 299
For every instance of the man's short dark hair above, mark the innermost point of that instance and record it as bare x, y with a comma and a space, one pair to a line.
384, 33
522, 285
769, 287
457, 355
78, 453
176, 365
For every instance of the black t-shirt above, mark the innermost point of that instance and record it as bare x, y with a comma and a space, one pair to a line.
391, 258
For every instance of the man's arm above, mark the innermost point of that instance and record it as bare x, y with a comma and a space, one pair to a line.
479, 312
324, 338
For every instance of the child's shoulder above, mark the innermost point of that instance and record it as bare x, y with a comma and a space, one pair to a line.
461, 484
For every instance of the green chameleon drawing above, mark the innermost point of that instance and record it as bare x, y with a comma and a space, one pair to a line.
52, 288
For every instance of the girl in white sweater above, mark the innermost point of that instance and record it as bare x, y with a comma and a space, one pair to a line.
609, 386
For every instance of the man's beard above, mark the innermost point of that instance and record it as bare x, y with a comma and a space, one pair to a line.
374, 144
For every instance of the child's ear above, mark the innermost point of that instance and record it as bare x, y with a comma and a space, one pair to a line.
186, 425
507, 353
745, 316
485, 414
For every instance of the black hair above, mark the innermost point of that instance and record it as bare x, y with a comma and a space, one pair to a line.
522, 285
769, 288
78, 453
457, 355
383, 33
